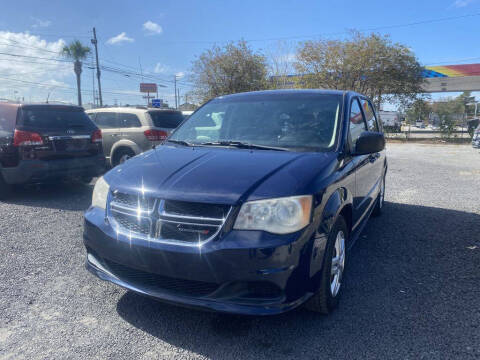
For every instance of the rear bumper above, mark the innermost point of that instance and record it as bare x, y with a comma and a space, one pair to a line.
31, 171
246, 272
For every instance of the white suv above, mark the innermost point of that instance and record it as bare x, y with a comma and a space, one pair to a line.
129, 131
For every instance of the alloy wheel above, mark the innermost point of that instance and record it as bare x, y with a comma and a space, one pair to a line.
338, 263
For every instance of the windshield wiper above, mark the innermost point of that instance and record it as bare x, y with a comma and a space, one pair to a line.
181, 142
242, 145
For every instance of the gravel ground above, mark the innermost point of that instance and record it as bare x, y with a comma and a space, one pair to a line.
412, 290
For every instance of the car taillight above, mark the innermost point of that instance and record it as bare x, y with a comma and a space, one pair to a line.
155, 135
97, 136
21, 138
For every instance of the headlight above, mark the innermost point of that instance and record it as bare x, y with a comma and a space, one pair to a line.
100, 192
278, 216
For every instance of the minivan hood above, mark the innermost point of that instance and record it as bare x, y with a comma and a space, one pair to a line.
211, 174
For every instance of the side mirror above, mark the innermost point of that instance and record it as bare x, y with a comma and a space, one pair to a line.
370, 142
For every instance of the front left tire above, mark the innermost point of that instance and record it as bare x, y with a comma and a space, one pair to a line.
331, 276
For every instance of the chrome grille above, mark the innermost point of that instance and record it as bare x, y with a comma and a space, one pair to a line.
133, 224
133, 201
186, 223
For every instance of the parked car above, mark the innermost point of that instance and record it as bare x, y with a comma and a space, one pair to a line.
42, 143
476, 138
130, 131
255, 216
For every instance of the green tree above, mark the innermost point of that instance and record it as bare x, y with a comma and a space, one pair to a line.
76, 52
229, 69
448, 111
373, 65
418, 111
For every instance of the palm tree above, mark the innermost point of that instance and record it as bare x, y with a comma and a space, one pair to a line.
77, 52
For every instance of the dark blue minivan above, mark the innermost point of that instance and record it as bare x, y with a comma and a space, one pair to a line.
249, 207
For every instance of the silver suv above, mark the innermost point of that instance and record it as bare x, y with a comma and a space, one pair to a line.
129, 131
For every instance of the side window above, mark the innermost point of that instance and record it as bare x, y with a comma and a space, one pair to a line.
8, 117
357, 122
369, 115
126, 120
106, 120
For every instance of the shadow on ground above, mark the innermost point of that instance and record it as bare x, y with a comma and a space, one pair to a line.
403, 293
74, 196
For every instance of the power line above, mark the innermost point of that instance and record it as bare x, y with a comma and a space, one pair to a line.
115, 92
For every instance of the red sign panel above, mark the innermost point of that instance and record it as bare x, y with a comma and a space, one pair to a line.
148, 87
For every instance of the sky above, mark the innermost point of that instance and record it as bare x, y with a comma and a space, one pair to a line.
161, 38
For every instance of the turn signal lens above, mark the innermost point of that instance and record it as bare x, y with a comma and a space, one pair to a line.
23, 138
97, 136
155, 135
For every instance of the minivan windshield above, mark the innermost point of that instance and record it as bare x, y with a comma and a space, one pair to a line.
296, 122
52, 117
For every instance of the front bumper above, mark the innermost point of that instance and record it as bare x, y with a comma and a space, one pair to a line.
245, 272
31, 171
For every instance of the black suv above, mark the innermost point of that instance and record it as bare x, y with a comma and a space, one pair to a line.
42, 143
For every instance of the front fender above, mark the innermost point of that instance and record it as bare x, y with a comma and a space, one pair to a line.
333, 206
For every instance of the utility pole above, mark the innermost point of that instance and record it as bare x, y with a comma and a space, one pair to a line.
94, 42
176, 104
178, 96
93, 87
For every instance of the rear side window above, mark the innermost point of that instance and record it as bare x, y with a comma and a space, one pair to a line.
369, 115
106, 120
54, 118
126, 120
357, 122
8, 117
166, 119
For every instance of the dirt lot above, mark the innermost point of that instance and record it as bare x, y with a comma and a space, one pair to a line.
412, 290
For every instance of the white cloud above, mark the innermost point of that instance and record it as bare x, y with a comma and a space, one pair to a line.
152, 28
180, 74
462, 3
39, 23
33, 73
161, 69
120, 38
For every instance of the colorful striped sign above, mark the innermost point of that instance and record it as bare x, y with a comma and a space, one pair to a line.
451, 71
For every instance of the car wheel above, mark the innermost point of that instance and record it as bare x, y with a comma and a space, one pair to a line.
331, 276
121, 156
377, 211
5, 189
